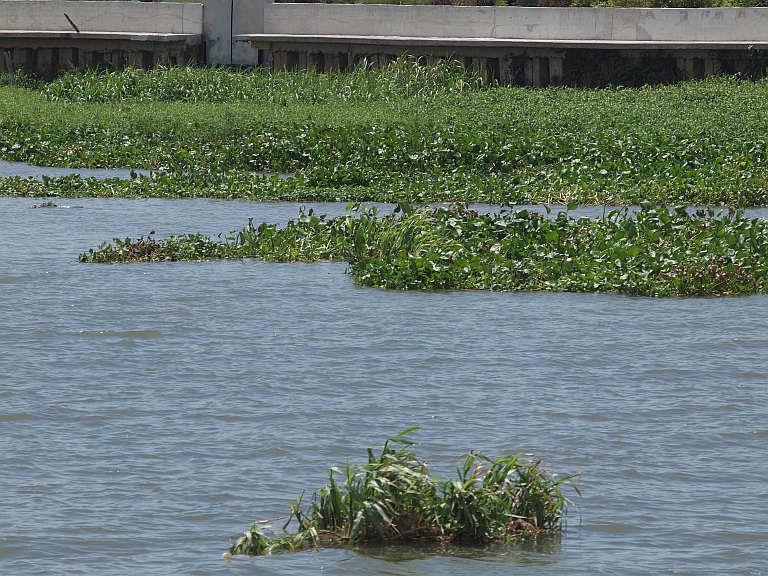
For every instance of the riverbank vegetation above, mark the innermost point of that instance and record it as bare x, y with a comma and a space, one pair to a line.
394, 498
655, 251
404, 133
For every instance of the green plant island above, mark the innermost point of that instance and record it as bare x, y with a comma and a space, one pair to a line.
417, 134
394, 498
655, 251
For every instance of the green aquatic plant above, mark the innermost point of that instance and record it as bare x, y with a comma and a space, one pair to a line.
406, 138
403, 77
654, 251
394, 498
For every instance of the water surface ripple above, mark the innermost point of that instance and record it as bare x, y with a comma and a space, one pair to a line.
150, 412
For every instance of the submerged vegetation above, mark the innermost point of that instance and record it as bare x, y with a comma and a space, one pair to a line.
394, 498
655, 251
408, 132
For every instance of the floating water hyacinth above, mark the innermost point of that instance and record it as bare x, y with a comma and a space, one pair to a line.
656, 251
394, 498
415, 133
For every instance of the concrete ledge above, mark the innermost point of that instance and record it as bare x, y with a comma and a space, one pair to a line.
265, 40
191, 39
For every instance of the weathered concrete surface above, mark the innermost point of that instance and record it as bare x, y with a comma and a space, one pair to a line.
536, 46
453, 42
224, 20
217, 31
125, 17
37, 34
594, 24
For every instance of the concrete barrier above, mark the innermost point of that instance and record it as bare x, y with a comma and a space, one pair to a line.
92, 17
224, 20
535, 46
48, 34
591, 24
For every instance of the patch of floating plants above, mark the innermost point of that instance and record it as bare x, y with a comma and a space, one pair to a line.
393, 498
405, 132
653, 251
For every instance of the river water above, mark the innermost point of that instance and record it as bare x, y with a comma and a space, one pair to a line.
149, 413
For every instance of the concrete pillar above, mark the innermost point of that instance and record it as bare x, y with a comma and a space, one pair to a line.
317, 61
25, 58
223, 19
504, 66
135, 59
332, 61
556, 71
528, 71
216, 29
697, 66
540, 71
75, 58
43, 59
280, 60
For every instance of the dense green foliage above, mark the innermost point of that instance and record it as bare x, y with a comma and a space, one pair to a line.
394, 498
654, 252
407, 133
402, 78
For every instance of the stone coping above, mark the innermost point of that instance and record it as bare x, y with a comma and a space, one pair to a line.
403, 41
192, 39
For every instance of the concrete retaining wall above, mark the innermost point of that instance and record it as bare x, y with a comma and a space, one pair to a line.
37, 33
533, 46
221, 24
611, 24
138, 17
537, 46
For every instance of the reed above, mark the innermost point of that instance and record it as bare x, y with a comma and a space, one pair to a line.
404, 77
394, 498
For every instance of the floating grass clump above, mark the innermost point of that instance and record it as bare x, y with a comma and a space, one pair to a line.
655, 251
405, 133
394, 498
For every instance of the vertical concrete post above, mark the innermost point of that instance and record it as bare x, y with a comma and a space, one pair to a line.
44, 57
217, 19
555, 71
711, 67
528, 71
332, 61
248, 18
279, 60
223, 19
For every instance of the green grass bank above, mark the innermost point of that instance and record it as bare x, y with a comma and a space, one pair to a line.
405, 133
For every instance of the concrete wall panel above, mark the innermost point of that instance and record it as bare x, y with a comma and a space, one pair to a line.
629, 24
216, 29
146, 17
